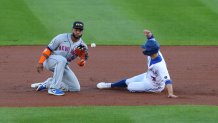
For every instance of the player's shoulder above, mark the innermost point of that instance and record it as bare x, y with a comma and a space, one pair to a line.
82, 41
62, 36
158, 62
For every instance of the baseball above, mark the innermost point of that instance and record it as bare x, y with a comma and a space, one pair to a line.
93, 45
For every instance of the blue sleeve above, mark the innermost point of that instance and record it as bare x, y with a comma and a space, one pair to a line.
168, 82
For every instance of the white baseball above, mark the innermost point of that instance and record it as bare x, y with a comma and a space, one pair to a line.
93, 45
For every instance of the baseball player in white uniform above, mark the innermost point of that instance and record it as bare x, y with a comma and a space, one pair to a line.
56, 57
156, 77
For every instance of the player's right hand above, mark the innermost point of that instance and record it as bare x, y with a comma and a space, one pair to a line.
81, 62
39, 68
172, 96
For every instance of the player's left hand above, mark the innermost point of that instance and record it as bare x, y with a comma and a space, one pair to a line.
172, 96
80, 50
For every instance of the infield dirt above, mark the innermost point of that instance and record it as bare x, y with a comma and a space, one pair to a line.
193, 69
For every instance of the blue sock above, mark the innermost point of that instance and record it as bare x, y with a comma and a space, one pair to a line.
121, 83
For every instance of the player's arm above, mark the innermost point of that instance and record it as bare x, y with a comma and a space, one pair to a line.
169, 87
54, 44
45, 54
168, 82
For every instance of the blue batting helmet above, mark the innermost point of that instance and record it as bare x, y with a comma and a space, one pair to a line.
151, 47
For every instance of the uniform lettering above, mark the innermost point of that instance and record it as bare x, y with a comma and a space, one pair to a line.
64, 48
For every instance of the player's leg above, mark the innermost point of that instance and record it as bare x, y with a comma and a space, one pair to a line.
138, 78
35, 85
44, 85
56, 64
70, 80
144, 86
121, 83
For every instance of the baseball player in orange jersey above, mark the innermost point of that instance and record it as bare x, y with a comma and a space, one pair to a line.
56, 57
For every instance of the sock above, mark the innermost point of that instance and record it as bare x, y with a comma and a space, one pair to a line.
121, 83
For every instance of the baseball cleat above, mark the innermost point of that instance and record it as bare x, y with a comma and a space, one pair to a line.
102, 85
41, 87
35, 85
56, 92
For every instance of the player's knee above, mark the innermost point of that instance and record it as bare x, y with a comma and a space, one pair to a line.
133, 87
75, 89
62, 60
130, 88
78, 88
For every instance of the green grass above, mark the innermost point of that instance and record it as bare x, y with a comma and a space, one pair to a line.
19, 25
110, 22
111, 114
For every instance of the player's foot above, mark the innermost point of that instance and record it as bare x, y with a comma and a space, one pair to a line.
35, 85
41, 87
56, 92
102, 85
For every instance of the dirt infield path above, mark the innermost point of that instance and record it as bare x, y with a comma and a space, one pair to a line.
194, 71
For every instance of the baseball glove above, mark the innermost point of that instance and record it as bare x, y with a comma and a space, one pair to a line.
82, 52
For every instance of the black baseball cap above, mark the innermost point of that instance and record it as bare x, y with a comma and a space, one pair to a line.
78, 25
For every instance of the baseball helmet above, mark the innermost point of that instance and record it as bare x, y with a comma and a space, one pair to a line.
78, 25
151, 47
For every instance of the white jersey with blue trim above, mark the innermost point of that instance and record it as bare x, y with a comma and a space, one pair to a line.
63, 45
157, 70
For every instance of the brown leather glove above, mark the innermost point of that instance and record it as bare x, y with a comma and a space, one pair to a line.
82, 52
